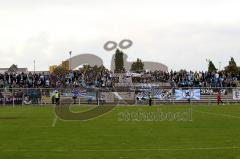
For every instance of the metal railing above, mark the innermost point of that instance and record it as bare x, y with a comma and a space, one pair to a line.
161, 95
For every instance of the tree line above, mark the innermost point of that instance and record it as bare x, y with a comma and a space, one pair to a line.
138, 66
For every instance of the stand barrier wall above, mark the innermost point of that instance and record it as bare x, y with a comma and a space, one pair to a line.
134, 96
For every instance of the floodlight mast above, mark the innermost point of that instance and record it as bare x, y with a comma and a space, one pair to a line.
34, 63
70, 55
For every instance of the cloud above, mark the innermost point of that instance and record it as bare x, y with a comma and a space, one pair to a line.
176, 33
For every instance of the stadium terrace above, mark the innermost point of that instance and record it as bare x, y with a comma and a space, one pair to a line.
106, 78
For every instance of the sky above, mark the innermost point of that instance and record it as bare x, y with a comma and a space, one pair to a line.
179, 33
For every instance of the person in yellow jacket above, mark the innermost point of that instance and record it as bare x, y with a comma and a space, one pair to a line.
57, 97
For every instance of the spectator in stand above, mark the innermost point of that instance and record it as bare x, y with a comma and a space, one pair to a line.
102, 77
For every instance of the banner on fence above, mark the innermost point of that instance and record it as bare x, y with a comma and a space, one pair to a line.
75, 93
236, 94
11, 100
108, 97
187, 94
125, 95
211, 91
162, 94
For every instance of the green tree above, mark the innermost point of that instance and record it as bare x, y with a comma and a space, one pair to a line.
85, 68
211, 66
232, 67
119, 63
137, 66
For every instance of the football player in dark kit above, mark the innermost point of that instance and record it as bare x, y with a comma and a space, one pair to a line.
150, 99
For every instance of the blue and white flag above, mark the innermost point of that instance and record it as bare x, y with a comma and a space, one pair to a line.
187, 94
236, 94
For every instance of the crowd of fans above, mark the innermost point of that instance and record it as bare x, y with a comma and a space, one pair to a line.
190, 79
197, 79
105, 78
23, 80
84, 79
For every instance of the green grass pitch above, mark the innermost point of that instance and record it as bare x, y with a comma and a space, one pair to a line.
34, 132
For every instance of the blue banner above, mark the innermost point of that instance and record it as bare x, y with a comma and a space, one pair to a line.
187, 94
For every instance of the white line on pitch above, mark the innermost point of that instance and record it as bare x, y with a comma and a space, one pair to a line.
54, 121
130, 150
217, 114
